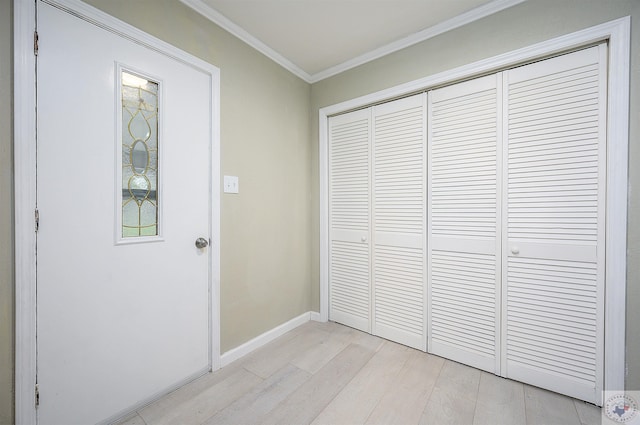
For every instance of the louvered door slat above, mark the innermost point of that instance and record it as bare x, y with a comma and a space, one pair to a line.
463, 222
554, 188
349, 216
399, 221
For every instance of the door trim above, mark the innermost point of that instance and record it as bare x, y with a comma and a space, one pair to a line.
617, 33
25, 184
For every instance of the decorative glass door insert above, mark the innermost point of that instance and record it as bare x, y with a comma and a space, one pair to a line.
140, 208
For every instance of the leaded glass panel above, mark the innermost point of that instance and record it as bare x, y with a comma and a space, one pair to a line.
139, 156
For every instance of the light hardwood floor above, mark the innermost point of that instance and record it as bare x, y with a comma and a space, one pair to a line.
326, 373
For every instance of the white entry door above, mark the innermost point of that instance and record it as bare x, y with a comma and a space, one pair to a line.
124, 174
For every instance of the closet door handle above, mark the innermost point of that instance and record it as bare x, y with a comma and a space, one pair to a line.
363, 239
515, 250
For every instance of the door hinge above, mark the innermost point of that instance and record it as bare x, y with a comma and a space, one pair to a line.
37, 218
35, 43
37, 395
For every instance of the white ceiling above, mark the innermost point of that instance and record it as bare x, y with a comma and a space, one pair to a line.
319, 38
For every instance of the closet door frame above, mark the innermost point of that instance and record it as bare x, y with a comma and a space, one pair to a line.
617, 34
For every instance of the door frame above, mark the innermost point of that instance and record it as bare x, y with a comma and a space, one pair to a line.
24, 145
617, 34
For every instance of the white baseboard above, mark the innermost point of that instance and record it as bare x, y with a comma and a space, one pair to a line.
257, 342
315, 316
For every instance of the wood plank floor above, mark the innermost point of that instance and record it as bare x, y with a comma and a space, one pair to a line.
326, 373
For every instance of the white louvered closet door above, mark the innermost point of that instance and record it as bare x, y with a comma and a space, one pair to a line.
349, 218
464, 231
554, 220
399, 240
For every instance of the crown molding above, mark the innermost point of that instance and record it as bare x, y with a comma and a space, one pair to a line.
448, 25
228, 25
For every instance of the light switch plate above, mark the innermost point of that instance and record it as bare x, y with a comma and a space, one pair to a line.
231, 184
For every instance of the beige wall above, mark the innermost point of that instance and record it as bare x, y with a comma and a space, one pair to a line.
519, 26
6, 214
